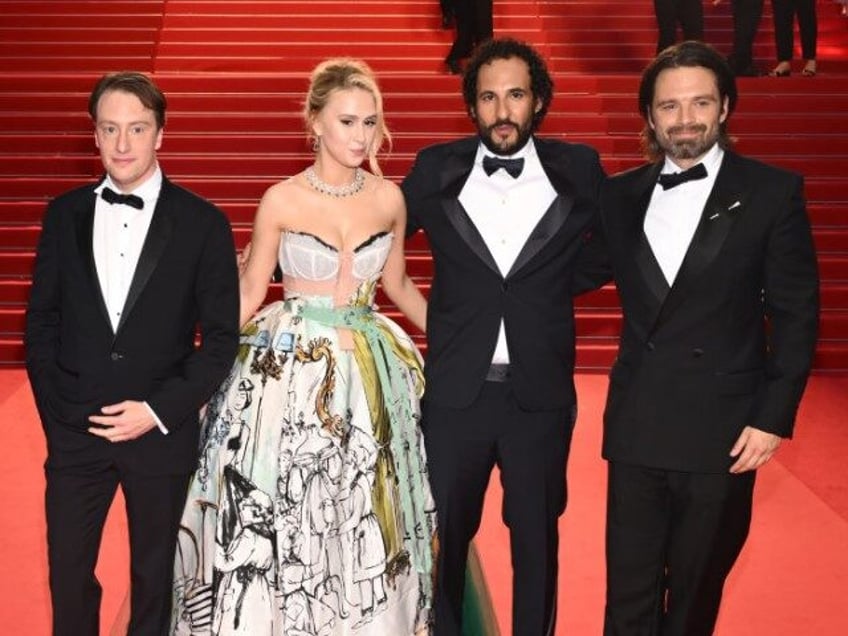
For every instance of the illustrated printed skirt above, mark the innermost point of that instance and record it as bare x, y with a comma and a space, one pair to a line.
310, 512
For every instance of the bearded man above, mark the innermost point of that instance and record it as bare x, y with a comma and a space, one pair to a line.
507, 215
713, 259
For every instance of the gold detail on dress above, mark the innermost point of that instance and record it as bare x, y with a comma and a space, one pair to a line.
266, 365
321, 348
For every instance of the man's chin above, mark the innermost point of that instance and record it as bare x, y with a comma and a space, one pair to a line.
686, 151
503, 148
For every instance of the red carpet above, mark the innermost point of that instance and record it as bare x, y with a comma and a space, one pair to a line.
790, 580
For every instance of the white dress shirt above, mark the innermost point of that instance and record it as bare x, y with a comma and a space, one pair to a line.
674, 214
505, 211
119, 234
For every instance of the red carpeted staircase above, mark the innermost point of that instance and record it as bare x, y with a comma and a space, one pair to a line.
235, 74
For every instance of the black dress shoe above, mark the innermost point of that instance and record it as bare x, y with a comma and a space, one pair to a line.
453, 66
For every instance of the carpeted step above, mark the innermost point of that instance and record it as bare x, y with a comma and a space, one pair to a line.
235, 72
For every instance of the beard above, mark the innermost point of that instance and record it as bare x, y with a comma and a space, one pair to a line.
504, 148
687, 148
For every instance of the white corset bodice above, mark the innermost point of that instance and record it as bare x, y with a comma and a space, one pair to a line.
312, 265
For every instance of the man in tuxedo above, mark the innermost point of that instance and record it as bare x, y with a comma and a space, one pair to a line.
714, 262
688, 13
474, 25
506, 215
126, 269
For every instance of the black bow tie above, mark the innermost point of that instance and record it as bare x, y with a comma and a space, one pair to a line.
512, 166
132, 200
676, 178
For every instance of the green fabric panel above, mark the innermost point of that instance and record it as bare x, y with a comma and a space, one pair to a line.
478, 614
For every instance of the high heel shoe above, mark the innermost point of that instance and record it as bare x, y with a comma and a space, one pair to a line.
809, 70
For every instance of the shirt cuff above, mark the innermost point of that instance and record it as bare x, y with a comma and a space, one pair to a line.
156, 417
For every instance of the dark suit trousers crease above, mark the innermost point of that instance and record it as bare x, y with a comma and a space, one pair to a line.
531, 449
746, 23
77, 502
784, 12
672, 539
473, 27
688, 13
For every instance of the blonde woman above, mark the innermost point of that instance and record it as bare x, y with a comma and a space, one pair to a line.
333, 408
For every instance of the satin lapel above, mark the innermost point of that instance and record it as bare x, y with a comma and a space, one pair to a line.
454, 175
556, 166
724, 205
643, 255
158, 235
545, 230
85, 239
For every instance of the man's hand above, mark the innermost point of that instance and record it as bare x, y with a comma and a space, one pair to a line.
242, 258
753, 449
124, 421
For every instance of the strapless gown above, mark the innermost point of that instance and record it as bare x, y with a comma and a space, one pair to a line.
310, 512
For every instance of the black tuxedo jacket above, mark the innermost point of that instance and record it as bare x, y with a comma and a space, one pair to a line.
731, 342
186, 276
469, 296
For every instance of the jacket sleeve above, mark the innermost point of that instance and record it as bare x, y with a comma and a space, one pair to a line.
593, 269
217, 296
41, 335
791, 296
414, 187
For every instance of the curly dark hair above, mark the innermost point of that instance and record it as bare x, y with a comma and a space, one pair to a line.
686, 54
541, 83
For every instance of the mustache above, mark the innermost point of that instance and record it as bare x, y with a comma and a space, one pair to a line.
502, 122
691, 128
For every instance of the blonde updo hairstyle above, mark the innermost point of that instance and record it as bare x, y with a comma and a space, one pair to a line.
344, 73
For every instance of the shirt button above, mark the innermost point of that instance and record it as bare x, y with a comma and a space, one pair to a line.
115, 356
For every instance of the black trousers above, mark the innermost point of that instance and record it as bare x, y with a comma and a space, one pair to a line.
688, 13
473, 26
784, 12
77, 501
531, 449
672, 539
746, 23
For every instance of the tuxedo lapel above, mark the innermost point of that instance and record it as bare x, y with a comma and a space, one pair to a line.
644, 257
546, 229
556, 167
85, 239
725, 204
453, 177
158, 235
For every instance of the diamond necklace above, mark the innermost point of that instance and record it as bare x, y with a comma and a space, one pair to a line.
346, 190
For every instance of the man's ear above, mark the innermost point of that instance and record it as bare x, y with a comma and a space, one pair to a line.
725, 109
648, 118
